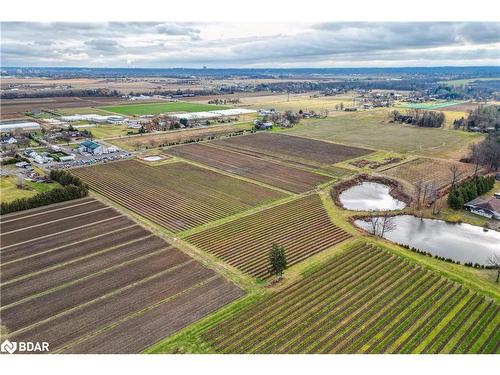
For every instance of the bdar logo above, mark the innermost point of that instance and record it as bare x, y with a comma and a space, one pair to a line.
9, 347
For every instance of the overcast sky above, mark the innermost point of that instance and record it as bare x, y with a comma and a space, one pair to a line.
216, 45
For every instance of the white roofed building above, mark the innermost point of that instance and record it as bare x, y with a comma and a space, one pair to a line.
26, 125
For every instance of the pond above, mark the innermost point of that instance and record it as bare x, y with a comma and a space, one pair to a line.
369, 196
461, 242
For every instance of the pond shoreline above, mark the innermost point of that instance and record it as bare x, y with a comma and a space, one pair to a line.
396, 189
470, 244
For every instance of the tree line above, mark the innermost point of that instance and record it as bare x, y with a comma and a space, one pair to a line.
418, 117
72, 188
483, 117
486, 153
60, 93
459, 195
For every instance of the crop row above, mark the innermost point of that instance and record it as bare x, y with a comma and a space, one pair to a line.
336, 271
176, 195
275, 174
364, 301
86, 287
294, 149
302, 226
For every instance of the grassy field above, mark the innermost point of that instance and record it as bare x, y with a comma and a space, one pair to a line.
372, 129
296, 102
160, 139
461, 82
157, 108
83, 111
107, 131
450, 116
428, 105
9, 190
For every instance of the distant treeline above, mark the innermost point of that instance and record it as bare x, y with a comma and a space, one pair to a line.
457, 72
418, 117
59, 93
478, 90
459, 195
72, 188
412, 84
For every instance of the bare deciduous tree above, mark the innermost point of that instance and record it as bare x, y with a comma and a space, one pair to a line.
433, 196
494, 262
418, 186
456, 173
381, 224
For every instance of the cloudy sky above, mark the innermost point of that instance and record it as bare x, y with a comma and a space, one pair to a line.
166, 44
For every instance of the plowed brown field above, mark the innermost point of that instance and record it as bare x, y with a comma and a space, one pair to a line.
76, 271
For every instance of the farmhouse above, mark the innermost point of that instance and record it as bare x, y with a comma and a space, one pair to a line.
92, 147
487, 207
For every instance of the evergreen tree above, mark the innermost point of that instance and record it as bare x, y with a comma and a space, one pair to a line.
277, 258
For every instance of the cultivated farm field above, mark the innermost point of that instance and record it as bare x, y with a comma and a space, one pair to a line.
15, 108
297, 150
158, 108
364, 301
178, 136
429, 170
83, 277
272, 173
429, 105
100, 131
311, 101
178, 195
302, 226
372, 129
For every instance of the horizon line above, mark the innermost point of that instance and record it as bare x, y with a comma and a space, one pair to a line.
253, 68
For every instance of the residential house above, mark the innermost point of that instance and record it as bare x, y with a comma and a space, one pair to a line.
487, 207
